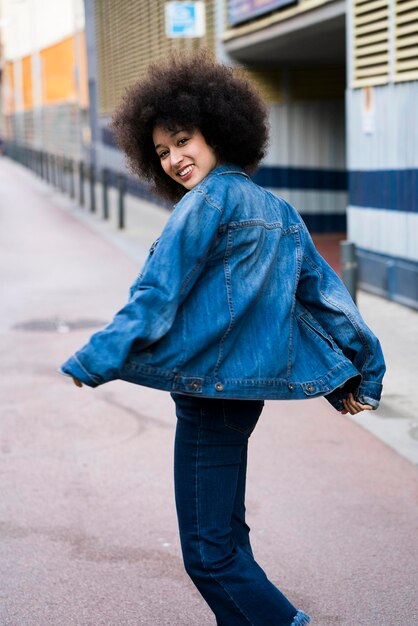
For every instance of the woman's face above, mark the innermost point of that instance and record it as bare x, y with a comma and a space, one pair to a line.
185, 156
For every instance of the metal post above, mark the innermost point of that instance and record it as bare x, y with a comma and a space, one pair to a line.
71, 175
58, 170
53, 170
63, 173
46, 166
105, 192
92, 182
121, 200
349, 270
42, 163
66, 175
81, 183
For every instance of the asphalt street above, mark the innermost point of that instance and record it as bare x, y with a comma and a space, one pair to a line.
87, 519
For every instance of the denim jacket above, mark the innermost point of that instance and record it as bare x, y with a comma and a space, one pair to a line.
234, 301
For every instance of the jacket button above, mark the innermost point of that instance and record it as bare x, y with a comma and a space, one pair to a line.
219, 387
291, 386
310, 388
195, 385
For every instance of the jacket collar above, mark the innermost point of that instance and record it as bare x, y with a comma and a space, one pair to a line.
228, 168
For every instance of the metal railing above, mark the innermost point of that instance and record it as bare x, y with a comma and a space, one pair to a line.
71, 177
65, 173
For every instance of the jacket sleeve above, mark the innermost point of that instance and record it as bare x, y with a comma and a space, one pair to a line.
168, 276
323, 293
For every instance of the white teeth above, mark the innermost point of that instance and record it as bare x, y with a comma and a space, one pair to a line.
185, 171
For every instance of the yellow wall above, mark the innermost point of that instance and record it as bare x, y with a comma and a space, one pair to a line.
9, 92
27, 83
58, 73
81, 53
59, 83
59, 64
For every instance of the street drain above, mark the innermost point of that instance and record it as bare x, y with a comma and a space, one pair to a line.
57, 325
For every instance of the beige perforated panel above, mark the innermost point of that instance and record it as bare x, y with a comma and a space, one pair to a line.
129, 36
370, 42
406, 40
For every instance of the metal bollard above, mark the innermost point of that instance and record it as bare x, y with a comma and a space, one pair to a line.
53, 170
121, 200
71, 175
105, 192
63, 173
46, 166
81, 183
42, 163
349, 267
92, 187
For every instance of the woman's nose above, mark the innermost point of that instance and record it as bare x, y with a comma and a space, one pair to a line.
175, 157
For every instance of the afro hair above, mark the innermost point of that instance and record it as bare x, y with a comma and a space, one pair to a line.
189, 93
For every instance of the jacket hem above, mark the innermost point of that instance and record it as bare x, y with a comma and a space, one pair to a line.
255, 389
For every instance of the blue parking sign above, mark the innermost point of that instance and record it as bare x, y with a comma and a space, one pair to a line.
185, 19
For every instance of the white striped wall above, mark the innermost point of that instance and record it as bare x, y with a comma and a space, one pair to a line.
307, 134
393, 233
394, 142
314, 202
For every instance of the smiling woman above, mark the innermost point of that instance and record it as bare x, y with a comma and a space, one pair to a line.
233, 306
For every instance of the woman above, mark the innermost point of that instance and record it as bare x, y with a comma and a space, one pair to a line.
233, 306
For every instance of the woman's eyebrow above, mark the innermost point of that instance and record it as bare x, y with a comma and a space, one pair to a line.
175, 132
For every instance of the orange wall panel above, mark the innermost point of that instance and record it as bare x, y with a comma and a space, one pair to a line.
27, 83
58, 64
81, 56
9, 89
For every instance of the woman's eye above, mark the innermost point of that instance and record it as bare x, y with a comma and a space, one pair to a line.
163, 154
183, 140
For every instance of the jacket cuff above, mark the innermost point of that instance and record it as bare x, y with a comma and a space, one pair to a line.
369, 393
73, 367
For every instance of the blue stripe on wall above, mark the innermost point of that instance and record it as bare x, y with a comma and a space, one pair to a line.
384, 189
301, 178
325, 222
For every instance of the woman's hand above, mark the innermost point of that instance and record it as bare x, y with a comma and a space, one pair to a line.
77, 382
353, 407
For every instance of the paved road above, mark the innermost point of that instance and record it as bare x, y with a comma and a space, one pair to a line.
87, 520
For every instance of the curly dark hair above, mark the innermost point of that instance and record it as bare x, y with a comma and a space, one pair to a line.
189, 93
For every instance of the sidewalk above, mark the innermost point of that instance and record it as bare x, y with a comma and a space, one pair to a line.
87, 518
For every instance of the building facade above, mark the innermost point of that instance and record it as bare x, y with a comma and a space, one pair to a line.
340, 77
382, 156
44, 78
344, 120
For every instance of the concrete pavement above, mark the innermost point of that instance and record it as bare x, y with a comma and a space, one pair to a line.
87, 514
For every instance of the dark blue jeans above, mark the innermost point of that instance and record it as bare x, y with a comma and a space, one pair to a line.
210, 473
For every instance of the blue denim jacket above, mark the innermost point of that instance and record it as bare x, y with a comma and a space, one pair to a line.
234, 301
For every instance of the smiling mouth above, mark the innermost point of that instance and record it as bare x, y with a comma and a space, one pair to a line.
185, 172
